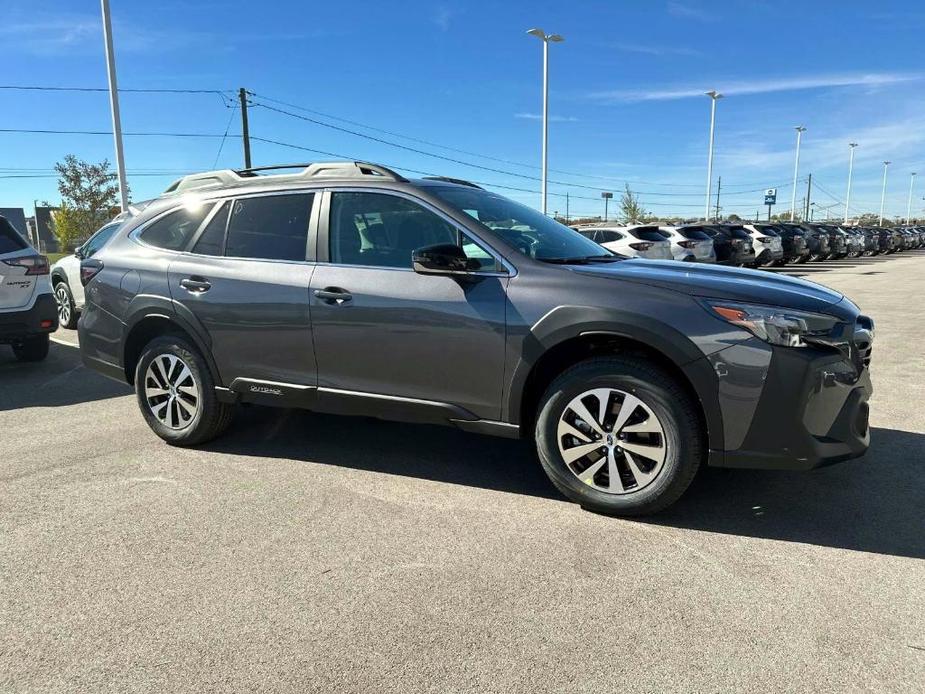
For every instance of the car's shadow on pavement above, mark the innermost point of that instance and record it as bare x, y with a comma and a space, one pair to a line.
874, 504
61, 379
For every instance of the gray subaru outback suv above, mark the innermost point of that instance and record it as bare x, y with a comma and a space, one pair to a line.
347, 288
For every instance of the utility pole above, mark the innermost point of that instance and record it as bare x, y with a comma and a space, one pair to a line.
909, 204
851, 146
809, 193
796, 170
114, 104
245, 131
566, 208
719, 184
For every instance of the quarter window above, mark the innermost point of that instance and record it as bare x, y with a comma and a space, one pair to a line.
98, 240
272, 227
175, 230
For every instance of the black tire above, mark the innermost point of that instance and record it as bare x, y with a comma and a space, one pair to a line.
32, 348
67, 311
211, 417
671, 404
780, 262
818, 257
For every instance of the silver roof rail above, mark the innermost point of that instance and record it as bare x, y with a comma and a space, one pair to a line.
230, 177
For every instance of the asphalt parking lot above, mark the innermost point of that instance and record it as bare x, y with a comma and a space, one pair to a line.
316, 553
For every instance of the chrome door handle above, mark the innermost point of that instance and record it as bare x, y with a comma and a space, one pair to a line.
333, 295
196, 285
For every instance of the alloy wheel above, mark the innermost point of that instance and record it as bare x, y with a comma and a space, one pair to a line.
64, 304
171, 391
612, 441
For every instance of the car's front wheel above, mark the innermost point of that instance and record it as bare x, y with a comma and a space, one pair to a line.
619, 435
67, 312
176, 393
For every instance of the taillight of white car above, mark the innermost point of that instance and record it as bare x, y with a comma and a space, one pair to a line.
34, 264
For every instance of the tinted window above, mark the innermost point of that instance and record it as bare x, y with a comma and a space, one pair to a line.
98, 240
382, 230
647, 233
606, 236
737, 232
212, 239
10, 240
766, 229
174, 230
693, 233
273, 227
527, 230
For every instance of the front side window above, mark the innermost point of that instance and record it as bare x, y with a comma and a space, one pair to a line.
381, 230
174, 230
530, 232
270, 227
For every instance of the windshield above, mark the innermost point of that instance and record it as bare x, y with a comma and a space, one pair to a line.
527, 230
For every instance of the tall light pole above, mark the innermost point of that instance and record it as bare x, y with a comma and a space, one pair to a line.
114, 104
851, 146
796, 170
909, 204
546, 39
714, 97
886, 164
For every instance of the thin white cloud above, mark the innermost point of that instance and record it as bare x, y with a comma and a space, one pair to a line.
655, 48
686, 11
552, 119
443, 17
744, 87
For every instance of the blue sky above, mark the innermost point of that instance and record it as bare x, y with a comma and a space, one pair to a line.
625, 93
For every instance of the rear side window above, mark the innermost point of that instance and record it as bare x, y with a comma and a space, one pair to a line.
98, 240
212, 239
606, 236
694, 233
766, 229
175, 230
10, 240
737, 233
271, 227
647, 234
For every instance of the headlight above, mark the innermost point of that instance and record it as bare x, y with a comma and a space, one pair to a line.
773, 324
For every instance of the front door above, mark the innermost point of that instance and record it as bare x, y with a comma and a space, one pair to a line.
245, 281
380, 329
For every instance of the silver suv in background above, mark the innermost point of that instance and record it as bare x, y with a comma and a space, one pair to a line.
27, 307
641, 241
766, 243
689, 244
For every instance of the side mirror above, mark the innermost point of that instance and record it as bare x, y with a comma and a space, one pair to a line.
442, 259
79, 253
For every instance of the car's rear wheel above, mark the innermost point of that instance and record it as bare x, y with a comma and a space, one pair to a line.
176, 393
619, 435
32, 348
67, 312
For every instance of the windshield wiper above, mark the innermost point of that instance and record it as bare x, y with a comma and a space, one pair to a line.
584, 260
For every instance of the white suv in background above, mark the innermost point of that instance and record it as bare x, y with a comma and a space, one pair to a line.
641, 241
690, 244
27, 307
766, 242
65, 275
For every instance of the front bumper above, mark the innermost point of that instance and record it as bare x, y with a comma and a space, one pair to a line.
41, 318
790, 408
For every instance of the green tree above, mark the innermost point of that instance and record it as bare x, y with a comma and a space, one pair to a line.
88, 199
631, 210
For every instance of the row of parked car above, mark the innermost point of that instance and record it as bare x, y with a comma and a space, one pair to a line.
752, 245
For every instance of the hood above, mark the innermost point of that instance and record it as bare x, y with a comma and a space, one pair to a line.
709, 281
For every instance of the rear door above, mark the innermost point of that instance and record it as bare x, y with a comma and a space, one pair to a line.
16, 285
244, 279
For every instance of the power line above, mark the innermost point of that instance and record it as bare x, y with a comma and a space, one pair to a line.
32, 88
107, 132
462, 162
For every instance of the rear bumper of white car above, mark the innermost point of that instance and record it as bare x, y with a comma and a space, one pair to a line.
41, 317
